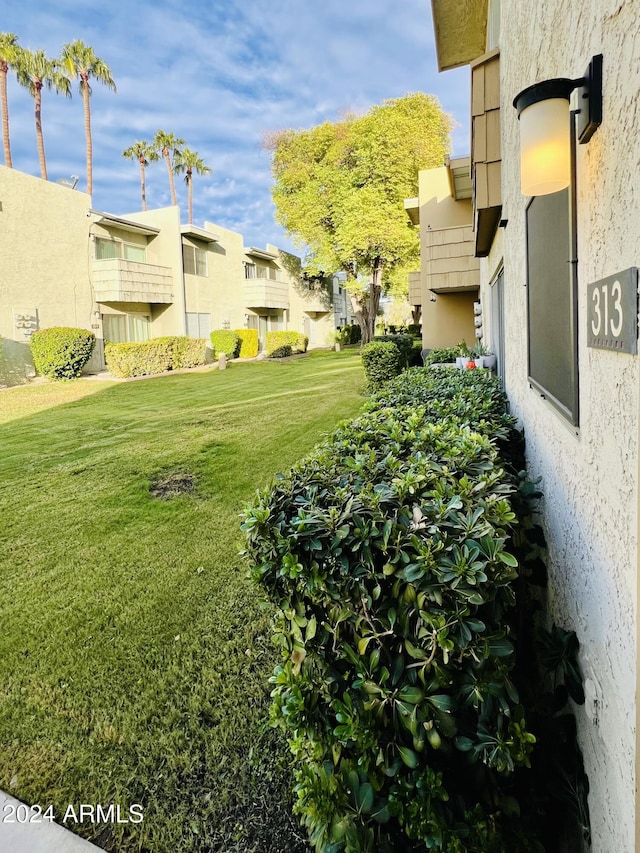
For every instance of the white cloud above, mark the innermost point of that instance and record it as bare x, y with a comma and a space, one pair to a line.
219, 74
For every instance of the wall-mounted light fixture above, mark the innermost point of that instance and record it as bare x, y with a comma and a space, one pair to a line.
545, 132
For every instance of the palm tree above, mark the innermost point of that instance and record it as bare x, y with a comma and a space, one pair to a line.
34, 72
79, 60
144, 154
169, 146
9, 53
187, 161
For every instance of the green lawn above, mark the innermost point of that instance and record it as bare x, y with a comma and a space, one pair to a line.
133, 653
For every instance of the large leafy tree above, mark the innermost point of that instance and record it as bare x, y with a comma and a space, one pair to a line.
187, 162
36, 72
144, 153
79, 61
9, 54
169, 146
339, 191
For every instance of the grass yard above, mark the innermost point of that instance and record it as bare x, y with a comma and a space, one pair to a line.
133, 652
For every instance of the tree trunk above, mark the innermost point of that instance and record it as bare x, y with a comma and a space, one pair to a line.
87, 132
370, 303
38, 105
143, 188
5, 114
190, 193
165, 154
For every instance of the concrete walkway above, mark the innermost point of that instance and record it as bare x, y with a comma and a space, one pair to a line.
18, 836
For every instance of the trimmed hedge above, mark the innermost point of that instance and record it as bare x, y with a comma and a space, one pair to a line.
297, 341
408, 346
248, 343
225, 341
146, 358
381, 361
444, 355
188, 352
61, 352
388, 556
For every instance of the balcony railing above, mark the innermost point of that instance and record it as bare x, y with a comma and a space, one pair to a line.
266, 293
117, 280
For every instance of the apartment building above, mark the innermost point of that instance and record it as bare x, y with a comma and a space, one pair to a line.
138, 276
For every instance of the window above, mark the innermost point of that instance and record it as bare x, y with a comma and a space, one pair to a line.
497, 321
198, 325
107, 249
194, 260
126, 328
258, 271
552, 304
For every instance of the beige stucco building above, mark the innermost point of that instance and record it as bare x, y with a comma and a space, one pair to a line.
553, 272
139, 276
443, 292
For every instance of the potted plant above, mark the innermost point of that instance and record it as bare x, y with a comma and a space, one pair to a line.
483, 357
464, 354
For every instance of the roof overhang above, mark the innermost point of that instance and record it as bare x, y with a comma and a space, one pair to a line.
459, 174
412, 207
261, 253
110, 221
460, 31
199, 234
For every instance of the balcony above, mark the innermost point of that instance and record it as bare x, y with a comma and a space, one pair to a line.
415, 288
263, 292
449, 260
486, 153
117, 280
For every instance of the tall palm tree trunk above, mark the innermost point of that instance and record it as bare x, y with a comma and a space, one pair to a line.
5, 114
87, 133
190, 193
38, 106
172, 187
143, 186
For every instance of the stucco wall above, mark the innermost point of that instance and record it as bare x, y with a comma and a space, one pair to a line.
44, 252
589, 477
448, 320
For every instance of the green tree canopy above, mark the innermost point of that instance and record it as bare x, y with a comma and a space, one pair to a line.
339, 191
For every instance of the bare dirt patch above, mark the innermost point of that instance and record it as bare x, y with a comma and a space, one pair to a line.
172, 485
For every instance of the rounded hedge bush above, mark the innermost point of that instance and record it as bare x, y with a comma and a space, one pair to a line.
226, 341
248, 342
382, 361
61, 352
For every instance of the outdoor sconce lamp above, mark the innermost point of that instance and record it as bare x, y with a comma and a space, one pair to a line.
545, 128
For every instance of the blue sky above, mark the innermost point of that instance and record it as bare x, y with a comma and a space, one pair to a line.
219, 74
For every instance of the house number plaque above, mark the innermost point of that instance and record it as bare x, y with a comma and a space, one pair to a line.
612, 313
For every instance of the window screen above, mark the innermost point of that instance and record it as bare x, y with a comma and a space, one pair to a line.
194, 260
553, 365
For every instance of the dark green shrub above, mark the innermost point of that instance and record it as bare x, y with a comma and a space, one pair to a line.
225, 341
283, 351
143, 358
387, 554
405, 344
188, 352
444, 355
414, 329
355, 333
248, 343
61, 352
474, 398
381, 361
